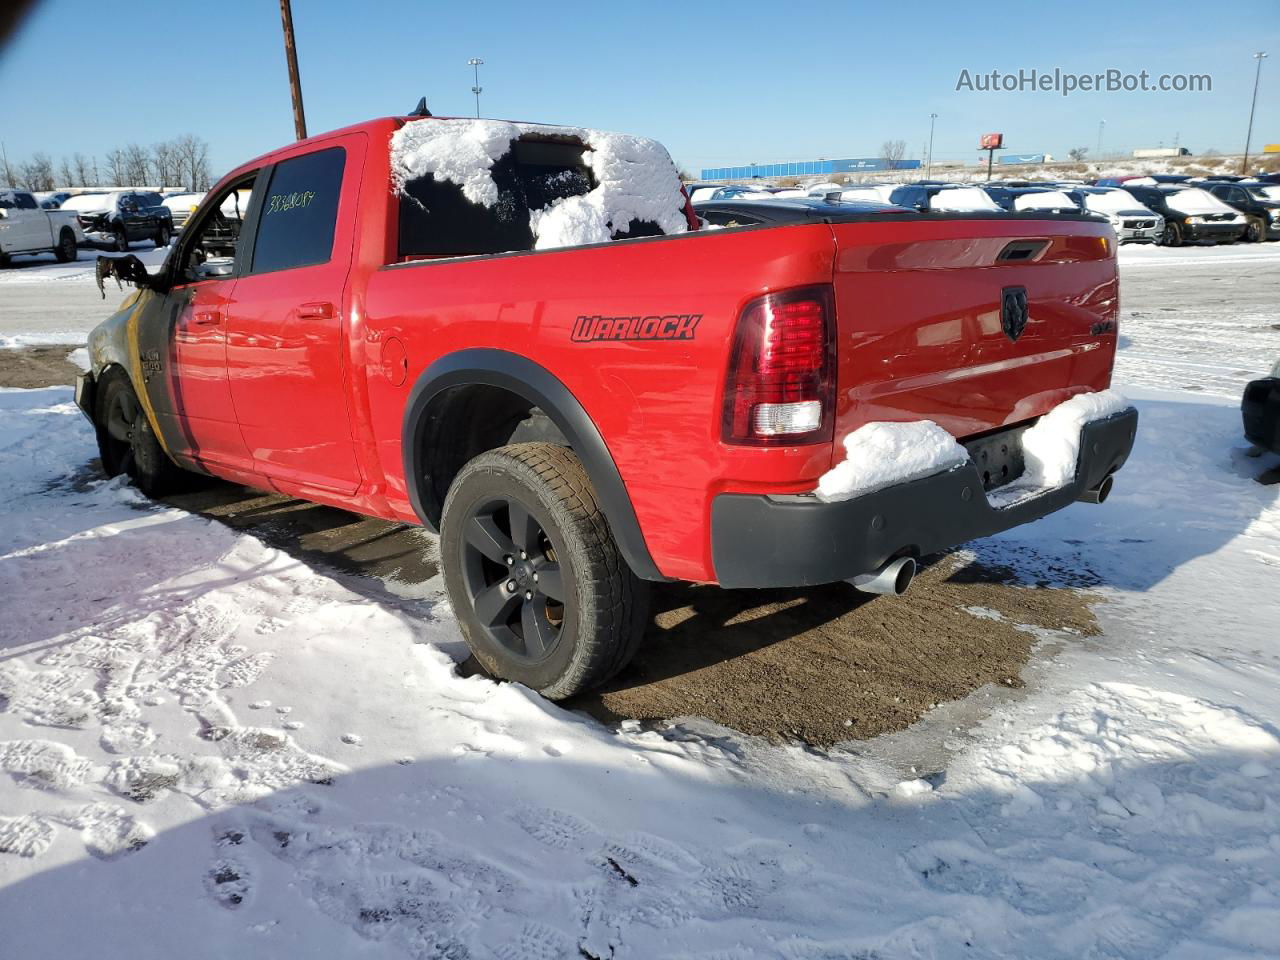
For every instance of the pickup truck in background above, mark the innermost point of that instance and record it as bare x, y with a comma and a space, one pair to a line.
116, 219
26, 227
516, 335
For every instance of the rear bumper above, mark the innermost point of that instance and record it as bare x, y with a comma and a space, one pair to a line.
763, 541
1261, 411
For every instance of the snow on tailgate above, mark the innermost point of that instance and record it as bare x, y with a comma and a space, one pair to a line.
635, 178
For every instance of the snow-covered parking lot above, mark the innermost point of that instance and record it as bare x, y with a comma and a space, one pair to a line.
209, 748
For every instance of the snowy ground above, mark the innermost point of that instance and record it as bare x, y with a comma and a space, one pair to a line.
209, 749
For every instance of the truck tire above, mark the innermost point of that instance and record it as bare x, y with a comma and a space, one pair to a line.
4, 260
539, 587
122, 240
162, 236
1256, 231
126, 442
65, 251
1172, 236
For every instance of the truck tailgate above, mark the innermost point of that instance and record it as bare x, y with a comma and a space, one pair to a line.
931, 324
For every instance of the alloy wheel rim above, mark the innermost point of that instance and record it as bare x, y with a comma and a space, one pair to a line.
514, 578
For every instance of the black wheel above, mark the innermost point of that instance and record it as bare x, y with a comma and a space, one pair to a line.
1256, 232
122, 240
534, 575
66, 248
4, 260
162, 236
1172, 236
127, 443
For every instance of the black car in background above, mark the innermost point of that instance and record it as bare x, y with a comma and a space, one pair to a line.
1261, 411
1251, 199
1181, 226
1007, 197
135, 215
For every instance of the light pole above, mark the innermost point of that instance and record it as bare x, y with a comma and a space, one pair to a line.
928, 164
1102, 124
1257, 74
475, 65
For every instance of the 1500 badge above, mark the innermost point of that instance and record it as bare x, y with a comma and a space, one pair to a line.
671, 327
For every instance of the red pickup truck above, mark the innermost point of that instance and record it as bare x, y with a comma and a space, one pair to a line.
518, 336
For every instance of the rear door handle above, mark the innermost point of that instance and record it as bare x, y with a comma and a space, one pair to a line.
318, 310
208, 318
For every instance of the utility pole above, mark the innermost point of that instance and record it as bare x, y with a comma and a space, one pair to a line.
928, 165
1257, 74
291, 56
1102, 124
475, 63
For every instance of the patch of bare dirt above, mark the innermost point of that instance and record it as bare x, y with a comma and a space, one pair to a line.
33, 367
829, 664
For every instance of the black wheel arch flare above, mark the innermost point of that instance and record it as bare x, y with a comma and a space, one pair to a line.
537, 385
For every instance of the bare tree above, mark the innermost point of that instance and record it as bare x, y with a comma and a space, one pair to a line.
193, 155
1077, 154
165, 164
65, 175
37, 173
8, 175
82, 171
893, 151
117, 168
137, 164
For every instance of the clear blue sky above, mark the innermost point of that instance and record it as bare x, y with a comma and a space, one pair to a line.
717, 84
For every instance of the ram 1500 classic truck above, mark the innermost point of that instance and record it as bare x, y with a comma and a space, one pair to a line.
26, 227
516, 335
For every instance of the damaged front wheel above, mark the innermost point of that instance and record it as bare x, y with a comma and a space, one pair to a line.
128, 444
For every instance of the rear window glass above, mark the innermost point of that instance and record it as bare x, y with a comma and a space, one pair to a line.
299, 212
437, 220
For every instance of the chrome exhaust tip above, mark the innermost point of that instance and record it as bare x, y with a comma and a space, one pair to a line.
893, 578
1099, 493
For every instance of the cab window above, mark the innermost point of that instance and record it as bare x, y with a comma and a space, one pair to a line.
209, 244
299, 212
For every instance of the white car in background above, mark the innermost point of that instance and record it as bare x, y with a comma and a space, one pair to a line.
1132, 222
26, 227
181, 206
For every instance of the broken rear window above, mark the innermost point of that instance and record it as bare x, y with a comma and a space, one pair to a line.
436, 218
472, 187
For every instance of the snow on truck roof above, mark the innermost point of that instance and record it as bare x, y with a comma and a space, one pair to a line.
634, 177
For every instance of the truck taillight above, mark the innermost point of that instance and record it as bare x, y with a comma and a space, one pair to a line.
781, 383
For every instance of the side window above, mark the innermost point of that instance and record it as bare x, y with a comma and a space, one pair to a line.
299, 212
212, 238
27, 202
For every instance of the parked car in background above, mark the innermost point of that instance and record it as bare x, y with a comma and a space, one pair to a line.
26, 227
1259, 202
1260, 409
115, 220
181, 206
1020, 199
1191, 215
52, 200
1132, 222
943, 198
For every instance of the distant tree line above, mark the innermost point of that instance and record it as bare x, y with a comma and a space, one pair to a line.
181, 162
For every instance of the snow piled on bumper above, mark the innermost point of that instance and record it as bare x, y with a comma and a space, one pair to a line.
1051, 448
880, 455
